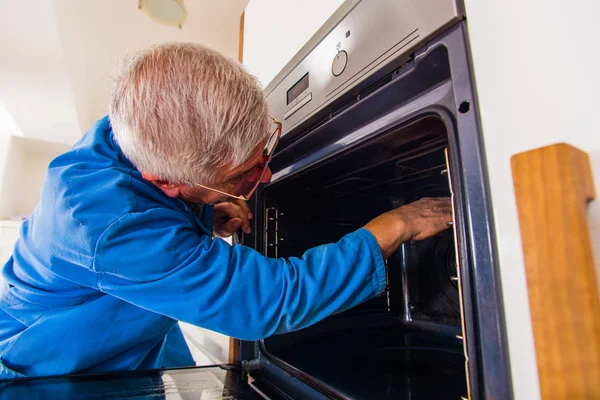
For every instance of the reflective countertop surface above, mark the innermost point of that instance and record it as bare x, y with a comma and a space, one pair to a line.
206, 383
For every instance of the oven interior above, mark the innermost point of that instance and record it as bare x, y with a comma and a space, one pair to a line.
407, 342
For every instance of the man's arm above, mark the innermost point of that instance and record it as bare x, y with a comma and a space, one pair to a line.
156, 261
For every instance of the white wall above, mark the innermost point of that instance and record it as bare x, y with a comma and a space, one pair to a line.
24, 169
34, 85
275, 30
96, 33
4, 143
10, 170
8, 126
536, 66
57, 56
9, 233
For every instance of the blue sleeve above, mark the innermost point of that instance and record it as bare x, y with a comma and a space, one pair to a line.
156, 261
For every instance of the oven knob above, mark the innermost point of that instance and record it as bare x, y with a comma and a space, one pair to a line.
339, 63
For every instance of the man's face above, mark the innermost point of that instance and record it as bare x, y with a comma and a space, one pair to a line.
228, 181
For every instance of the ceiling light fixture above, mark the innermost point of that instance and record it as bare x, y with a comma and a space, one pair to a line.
165, 12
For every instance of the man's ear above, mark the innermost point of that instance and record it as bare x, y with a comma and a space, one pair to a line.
169, 189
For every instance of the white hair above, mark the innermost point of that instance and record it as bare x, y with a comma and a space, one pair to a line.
180, 111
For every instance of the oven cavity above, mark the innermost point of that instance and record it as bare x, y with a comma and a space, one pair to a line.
407, 342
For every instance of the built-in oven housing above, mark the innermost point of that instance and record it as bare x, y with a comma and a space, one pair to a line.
407, 131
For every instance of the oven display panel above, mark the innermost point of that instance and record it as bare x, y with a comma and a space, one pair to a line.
297, 89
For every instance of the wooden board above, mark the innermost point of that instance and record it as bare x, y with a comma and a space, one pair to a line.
234, 351
552, 187
241, 41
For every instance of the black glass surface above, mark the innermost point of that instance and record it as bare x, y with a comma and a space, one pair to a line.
212, 383
404, 361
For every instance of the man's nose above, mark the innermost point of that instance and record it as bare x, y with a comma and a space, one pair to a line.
267, 176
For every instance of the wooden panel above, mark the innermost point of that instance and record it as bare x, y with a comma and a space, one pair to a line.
234, 351
241, 41
553, 186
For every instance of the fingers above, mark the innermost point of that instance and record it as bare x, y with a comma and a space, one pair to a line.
244, 206
229, 228
234, 209
414, 221
429, 216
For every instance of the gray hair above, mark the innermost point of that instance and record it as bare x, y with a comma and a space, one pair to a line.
181, 110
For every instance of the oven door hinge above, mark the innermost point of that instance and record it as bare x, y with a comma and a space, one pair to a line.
251, 365
251, 374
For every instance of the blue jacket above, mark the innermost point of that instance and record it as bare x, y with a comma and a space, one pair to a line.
107, 264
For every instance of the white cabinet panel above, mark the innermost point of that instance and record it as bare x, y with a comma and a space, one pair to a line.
207, 347
9, 233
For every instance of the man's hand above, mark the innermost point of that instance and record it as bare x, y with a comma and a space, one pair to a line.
230, 216
414, 221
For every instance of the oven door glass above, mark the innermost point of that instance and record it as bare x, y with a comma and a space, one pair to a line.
214, 383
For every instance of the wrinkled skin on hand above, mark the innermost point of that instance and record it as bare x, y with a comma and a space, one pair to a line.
231, 216
415, 221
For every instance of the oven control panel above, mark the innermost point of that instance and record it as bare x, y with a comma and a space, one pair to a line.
359, 39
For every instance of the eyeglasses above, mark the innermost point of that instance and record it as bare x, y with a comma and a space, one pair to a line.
251, 179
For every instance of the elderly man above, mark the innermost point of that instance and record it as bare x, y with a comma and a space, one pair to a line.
121, 244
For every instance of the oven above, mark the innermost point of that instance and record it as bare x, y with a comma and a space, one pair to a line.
379, 110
